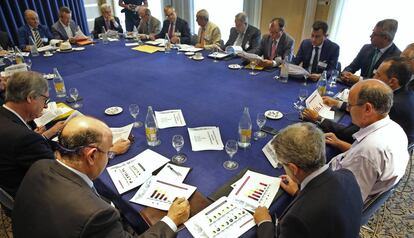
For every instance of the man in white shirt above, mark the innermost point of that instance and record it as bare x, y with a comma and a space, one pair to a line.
68, 198
379, 155
65, 28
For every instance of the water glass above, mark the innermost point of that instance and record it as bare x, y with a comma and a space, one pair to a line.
134, 111
178, 143
231, 150
74, 94
260, 121
253, 64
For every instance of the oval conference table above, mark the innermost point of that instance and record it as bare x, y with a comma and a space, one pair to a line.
207, 92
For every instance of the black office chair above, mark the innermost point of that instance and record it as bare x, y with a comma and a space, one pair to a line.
371, 206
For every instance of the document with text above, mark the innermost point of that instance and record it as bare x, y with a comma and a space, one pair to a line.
119, 133
169, 118
205, 138
315, 102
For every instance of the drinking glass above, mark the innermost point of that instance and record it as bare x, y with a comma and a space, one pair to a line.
305, 76
91, 36
134, 111
74, 93
260, 121
28, 63
253, 64
334, 76
178, 144
215, 52
231, 150
303, 94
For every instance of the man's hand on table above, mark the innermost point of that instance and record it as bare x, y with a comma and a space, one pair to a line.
179, 211
349, 77
261, 214
120, 146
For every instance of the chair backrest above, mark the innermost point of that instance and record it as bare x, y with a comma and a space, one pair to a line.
372, 205
6, 200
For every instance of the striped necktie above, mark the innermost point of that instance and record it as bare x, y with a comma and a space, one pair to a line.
38, 40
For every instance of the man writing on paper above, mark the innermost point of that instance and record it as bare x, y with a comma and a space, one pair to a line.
107, 21
277, 43
209, 35
148, 24
317, 53
176, 28
65, 28
243, 34
300, 148
372, 55
33, 29
68, 198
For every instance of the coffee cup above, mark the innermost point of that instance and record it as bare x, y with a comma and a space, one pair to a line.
198, 55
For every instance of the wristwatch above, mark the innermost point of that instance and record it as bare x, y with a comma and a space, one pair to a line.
111, 155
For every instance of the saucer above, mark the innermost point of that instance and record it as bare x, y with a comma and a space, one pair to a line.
273, 114
189, 53
48, 55
196, 58
234, 66
111, 111
78, 48
64, 51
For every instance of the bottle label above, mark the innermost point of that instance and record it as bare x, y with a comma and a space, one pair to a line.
19, 60
245, 135
322, 90
151, 134
60, 87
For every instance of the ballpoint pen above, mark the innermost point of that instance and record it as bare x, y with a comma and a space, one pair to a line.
175, 171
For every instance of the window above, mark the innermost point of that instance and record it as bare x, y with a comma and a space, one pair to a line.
221, 13
358, 19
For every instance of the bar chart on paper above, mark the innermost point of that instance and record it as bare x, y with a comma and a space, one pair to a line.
254, 190
160, 194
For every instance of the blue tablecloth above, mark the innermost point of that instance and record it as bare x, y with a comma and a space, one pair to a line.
208, 93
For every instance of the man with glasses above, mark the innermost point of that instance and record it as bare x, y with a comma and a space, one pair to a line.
372, 55
148, 24
60, 194
327, 204
33, 29
317, 53
107, 21
379, 155
176, 28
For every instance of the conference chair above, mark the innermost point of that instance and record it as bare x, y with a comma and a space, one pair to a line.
7, 203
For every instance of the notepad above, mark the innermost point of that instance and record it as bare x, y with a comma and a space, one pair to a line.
146, 48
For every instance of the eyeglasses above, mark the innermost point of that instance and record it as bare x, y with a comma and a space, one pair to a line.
348, 106
78, 149
47, 99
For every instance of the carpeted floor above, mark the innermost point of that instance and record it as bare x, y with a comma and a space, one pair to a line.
397, 221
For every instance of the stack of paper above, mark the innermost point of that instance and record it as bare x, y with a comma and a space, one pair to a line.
172, 172
315, 102
297, 70
188, 48
121, 133
134, 172
160, 193
169, 118
223, 218
53, 111
270, 154
205, 138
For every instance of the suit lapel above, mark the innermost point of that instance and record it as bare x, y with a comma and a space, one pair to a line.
62, 30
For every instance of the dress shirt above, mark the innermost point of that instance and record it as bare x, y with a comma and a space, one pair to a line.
377, 158
313, 55
17, 115
380, 53
67, 29
239, 39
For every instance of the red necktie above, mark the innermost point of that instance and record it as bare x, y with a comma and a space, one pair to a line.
274, 49
171, 30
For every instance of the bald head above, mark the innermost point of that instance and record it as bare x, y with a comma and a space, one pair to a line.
32, 18
375, 92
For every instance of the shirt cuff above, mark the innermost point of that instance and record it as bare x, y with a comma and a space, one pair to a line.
264, 222
170, 223
339, 105
361, 78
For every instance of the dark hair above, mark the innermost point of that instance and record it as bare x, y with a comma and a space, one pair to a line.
317, 25
399, 69
64, 9
280, 21
71, 144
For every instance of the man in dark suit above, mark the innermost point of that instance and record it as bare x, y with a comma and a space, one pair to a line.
327, 204
39, 33
243, 34
20, 146
148, 24
395, 73
107, 21
372, 55
176, 28
4, 41
277, 43
130, 10
408, 53
65, 28
317, 53
60, 194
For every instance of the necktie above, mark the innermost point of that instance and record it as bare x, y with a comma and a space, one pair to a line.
202, 37
171, 30
95, 191
273, 50
315, 60
107, 25
374, 60
38, 40
239, 39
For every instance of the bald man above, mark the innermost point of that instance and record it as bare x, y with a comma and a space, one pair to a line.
379, 155
68, 204
40, 33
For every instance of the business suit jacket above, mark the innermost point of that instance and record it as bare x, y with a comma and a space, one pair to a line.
20, 147
25, 33
153, 26
180, 26
5, 40
329, 206
100, 22
284, 47
212, 35
55, 202
363, 60
328, 54
250, 41
59, 32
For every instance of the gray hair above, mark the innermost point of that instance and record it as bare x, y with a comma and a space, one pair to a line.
203, 14
22, 85
388, 27
147, 12
379, 95
242, 17
302, 144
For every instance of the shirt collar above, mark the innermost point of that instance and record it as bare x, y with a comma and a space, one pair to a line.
363, 132
313, 175
17, 115
385, 48
80, 174
64, 24
319, 46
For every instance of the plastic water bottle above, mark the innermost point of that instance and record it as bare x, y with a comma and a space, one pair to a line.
151, 128
284, 71
104, 36
33, 47
245, 129
322, 84
167, 44
59, 84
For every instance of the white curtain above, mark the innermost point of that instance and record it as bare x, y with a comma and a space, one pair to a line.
253, 9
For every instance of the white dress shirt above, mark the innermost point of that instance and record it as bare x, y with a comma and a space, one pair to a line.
377, 158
